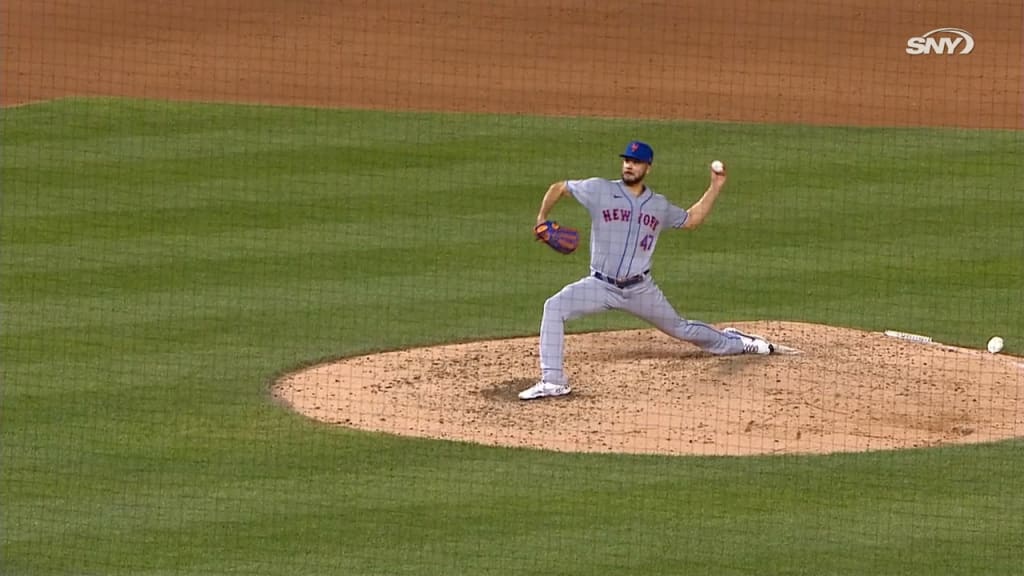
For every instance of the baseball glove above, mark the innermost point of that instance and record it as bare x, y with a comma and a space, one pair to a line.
559, 238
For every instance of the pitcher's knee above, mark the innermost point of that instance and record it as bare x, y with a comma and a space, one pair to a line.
554, 308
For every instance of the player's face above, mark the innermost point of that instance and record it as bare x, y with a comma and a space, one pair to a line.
634, 171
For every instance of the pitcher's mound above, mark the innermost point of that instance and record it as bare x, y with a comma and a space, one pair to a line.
640, 391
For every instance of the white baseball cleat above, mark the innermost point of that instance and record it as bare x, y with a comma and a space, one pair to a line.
542, 389
752, 343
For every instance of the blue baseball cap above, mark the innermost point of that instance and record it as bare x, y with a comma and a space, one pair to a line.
640, 151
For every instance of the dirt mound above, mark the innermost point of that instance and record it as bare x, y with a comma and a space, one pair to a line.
640, 391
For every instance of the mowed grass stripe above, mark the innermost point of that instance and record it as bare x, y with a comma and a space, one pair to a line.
163, 262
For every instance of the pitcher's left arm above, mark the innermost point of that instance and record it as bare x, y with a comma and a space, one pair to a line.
699, 211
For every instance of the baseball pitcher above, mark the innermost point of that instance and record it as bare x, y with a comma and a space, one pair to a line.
627, 217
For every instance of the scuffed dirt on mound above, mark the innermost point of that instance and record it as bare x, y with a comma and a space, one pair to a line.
640, 391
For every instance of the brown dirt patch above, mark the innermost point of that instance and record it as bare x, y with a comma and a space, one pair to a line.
640, 391
827, 61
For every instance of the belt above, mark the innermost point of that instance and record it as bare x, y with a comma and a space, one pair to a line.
631, 281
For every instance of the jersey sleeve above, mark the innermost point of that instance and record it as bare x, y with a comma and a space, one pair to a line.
676, 216
586, 192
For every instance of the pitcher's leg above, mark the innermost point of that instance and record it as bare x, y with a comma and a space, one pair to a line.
580, 298
648, 302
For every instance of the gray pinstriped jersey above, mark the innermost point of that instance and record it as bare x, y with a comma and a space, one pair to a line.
624, 229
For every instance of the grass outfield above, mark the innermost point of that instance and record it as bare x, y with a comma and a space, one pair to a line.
162, 263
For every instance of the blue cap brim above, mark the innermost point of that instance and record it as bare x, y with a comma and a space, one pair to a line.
635, 157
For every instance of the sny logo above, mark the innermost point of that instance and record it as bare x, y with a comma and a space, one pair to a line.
941, 41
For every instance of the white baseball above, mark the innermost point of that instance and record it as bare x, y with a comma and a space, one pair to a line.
717, 167
995, 345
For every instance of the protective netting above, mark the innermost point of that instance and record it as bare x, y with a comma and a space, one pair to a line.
272, 298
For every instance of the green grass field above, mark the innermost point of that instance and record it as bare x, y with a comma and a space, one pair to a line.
162, 264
